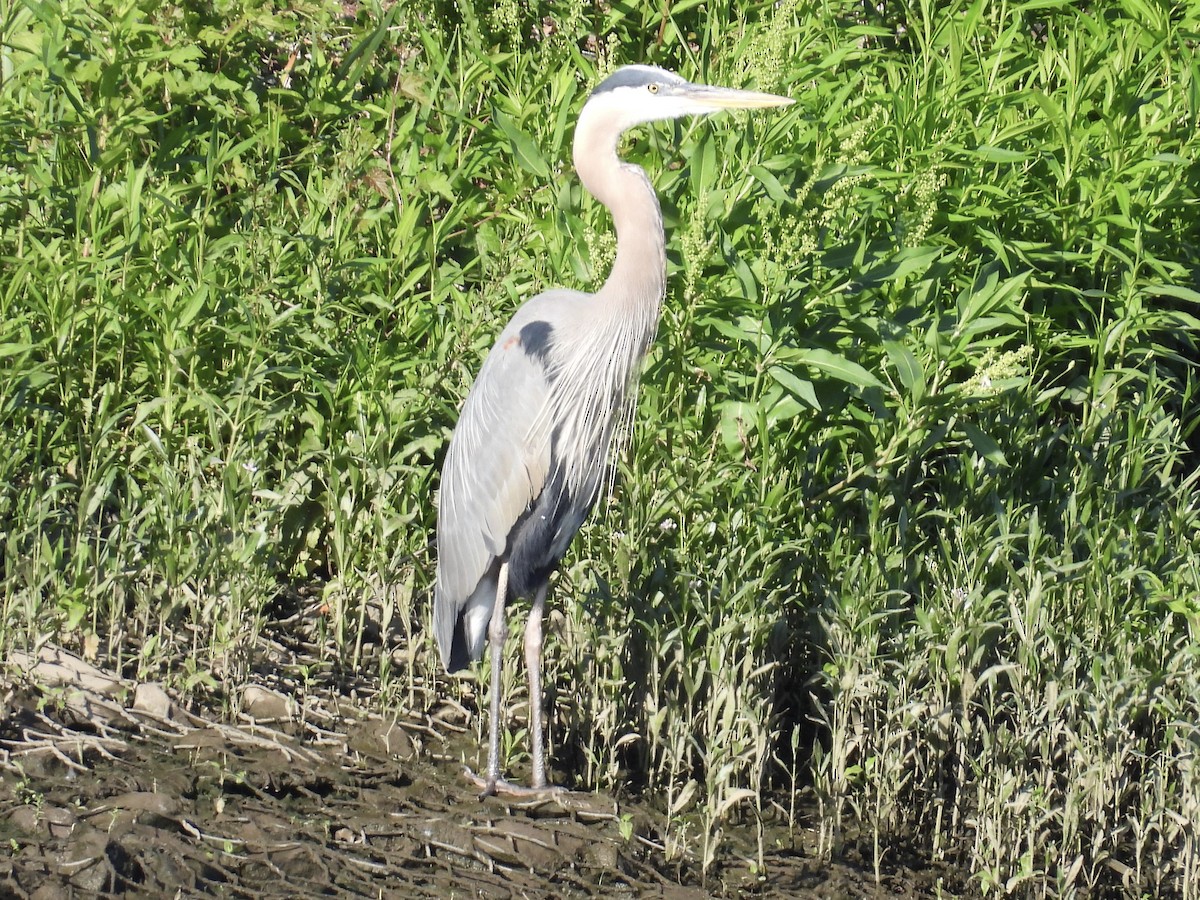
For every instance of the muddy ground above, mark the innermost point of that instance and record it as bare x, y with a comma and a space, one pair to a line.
111, 788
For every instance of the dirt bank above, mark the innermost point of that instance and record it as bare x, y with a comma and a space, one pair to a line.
111, 788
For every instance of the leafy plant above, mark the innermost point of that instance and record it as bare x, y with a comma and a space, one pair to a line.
907, 527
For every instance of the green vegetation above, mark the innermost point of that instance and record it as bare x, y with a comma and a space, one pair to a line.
909, 524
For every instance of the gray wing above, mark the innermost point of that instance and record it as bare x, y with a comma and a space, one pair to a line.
495, 467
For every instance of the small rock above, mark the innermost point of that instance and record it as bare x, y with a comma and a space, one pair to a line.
82, 861
150, 802
152, 700
54, 666
375, 738
57, 821
262, 703
26, 818
61, 820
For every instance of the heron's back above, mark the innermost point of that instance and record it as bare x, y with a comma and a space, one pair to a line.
530, 452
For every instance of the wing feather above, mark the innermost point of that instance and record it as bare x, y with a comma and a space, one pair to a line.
495, 467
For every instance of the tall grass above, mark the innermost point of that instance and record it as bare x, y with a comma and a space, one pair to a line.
908, 526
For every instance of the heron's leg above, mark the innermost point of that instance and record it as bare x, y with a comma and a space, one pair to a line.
533, 663
497, 632
493, 783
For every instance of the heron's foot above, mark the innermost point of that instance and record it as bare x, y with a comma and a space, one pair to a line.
492, 787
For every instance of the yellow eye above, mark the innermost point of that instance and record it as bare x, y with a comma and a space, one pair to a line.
652, 88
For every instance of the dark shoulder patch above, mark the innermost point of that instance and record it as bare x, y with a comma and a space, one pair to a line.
535, 341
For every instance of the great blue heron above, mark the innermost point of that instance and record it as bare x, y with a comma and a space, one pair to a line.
531, 447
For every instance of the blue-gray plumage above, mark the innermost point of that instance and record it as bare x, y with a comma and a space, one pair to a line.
638, 77
533, 440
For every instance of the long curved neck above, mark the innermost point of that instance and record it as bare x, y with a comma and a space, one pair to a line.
639, 273
596, 385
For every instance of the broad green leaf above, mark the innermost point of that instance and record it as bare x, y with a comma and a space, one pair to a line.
431, 181
899, 266
525, 149
801, 388
738, 419
988, 293
908, 369
704, 164
999, 154
186, 314
985, 446
745, 329
355, 63
832, 364
1179, 292
773, 188
786, 409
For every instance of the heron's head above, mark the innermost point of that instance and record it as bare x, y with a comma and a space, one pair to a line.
633, 95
